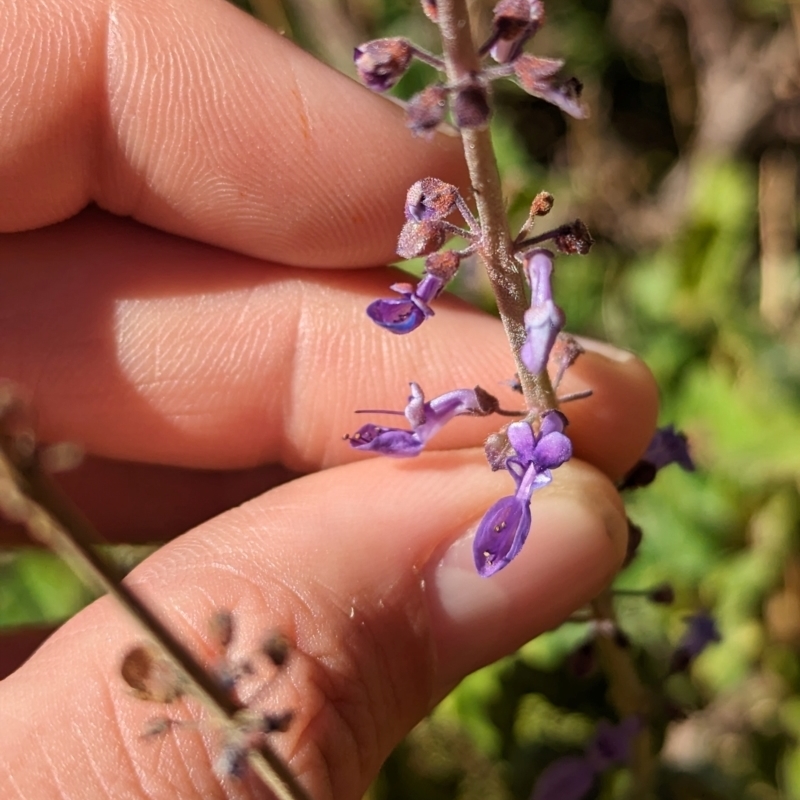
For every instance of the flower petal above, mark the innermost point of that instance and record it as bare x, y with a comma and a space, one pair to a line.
567, 778
387, 441
397, 315
501, 534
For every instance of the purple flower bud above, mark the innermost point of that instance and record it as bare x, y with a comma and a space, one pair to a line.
544, 319
430, 200
382, 62
538, 76
567, 778
420, 238
611, 744
426, 110
701, 631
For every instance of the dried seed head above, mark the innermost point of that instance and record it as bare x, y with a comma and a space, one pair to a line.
542, 204
430, 200
426, 110
420, 238
574, 240
150, 676
443, 265
382, 62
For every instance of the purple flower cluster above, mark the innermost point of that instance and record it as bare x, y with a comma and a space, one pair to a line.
506, 525
572, 777
381, 63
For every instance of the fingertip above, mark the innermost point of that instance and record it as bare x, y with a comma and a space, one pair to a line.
576, 544
611, 428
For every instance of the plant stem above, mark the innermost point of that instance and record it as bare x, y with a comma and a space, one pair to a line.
462, 64
28, 496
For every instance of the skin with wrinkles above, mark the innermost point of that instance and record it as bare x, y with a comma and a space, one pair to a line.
221, 328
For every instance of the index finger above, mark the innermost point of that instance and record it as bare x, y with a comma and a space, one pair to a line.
196, 119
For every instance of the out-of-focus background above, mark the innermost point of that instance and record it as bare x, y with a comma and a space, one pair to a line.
687, 175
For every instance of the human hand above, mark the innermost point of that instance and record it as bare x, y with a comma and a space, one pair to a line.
223, 328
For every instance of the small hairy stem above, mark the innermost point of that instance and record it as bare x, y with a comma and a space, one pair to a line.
462, 62
628, 696
28, 497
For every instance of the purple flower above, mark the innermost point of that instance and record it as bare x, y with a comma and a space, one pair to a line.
406, 314
572, 777
425, 419
506, 525
382, 62
611, 744
567, 778
701, 631
667, 446
544, 319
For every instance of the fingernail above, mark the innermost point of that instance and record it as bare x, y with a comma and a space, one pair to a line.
605, 349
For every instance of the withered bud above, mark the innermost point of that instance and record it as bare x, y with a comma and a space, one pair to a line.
420, 238
471, 108
276, 648
563, 355
426, 110
539, 77
487, 403
574, 240
664, 594
514, 23
430, 200
542, 204
497, 449
443, 265
150, 676
382, 62
220, 627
